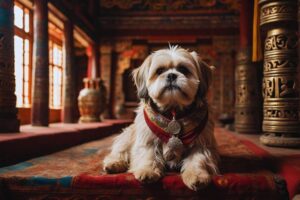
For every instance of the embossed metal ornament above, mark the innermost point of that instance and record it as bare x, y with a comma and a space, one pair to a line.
174, 127
175, 149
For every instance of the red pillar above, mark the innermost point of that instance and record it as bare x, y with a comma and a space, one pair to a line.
96, 59
93, 61
246, 23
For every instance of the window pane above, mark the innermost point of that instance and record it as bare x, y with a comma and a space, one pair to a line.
26, 52
26, 89
59, 57
27, 23
51, 84
18, 49
26, 73
22, 20
18, 14
19, 69
51, 56
56, 75
55, 64
26, 101
55, 55
56, 87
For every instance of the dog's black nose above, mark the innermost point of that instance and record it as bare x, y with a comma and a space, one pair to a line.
172, 77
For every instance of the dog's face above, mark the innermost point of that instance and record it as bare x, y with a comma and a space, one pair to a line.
172, 78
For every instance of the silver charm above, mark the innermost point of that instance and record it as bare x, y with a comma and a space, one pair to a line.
174, 127
175, 149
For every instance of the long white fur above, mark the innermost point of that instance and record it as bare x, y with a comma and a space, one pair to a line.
134, 149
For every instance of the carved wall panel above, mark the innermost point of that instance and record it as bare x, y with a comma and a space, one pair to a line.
221, 55
280, 89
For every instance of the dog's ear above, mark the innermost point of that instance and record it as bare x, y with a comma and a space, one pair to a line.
140, 76
205, 73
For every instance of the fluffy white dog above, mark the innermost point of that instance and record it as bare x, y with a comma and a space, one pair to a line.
173, 128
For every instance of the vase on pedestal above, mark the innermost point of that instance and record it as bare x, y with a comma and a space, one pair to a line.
91, 100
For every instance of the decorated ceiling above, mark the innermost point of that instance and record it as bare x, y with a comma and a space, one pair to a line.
170, 5
138, 18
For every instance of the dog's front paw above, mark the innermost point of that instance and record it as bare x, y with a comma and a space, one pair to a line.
147, 175
115, 166
196, 181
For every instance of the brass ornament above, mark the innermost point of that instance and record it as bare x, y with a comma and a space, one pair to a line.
175, 149
175, 145
174, 127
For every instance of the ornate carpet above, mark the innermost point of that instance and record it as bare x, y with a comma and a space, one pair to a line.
247, 172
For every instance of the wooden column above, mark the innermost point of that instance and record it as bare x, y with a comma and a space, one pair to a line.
281, 122
105, 62
8, 111
113, 73
247, 82
40, 96
69, 94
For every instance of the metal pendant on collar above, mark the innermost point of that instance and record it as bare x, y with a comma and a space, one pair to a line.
175, 147
174, 127
175, 143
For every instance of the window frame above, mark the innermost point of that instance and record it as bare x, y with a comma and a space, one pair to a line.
29, 36
59, 42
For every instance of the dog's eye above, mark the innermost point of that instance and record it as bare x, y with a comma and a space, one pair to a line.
183, 70
160, 70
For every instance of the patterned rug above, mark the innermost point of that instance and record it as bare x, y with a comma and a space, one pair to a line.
247, 172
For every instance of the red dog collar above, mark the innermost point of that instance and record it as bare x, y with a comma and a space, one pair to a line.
192, 125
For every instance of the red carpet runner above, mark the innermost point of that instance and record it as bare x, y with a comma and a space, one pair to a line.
247, 172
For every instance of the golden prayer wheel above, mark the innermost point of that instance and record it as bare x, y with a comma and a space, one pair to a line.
281, 122
91, 100
277, 11
248, 98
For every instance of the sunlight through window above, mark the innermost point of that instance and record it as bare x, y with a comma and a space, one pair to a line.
22, 41
56, 74
19, 16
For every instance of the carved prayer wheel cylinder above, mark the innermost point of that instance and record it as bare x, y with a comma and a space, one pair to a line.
277, 11
91, 100
281, 122
248, 98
